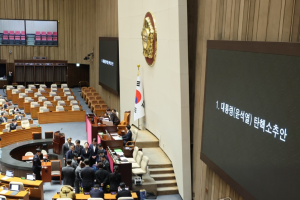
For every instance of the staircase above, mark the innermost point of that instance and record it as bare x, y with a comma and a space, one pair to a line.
165, 178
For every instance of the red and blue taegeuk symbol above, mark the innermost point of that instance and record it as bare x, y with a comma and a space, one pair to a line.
138, 97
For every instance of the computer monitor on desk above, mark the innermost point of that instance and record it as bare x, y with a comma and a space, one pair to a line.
30, 177
9, 173
14, 187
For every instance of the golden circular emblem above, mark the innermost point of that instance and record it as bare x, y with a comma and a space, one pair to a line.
149, 39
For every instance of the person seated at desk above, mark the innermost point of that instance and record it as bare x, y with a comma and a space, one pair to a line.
13, 125
105, 163
78, 149
3, 119
88, 176
102, 175
100, 153
122, 192
70, 153
113, 117
3, 111
5, 106
19, 116
15, 110
68, 174
96, 192
128, 136
115, 179
74, 160
86, 152
100, 147
36, 165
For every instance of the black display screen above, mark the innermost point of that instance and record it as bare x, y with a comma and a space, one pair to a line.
109, 64
251, 128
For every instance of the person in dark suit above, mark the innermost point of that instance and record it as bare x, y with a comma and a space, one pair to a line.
96, 192
93, 148
74, 163
115, 179
100, 154
86, 152
68, 174
13, 125
10, 78
128, 136
88, 176
78, 149
100, 147
113, 117
122, 192
3, 119
15, 110
78, 176
102, 175
106, 164
19, 116
70, 153
66, 147
36, 165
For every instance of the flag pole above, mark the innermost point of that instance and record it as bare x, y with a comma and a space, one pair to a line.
138, 73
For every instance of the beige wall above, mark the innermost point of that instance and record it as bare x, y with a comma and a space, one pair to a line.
81, 23
165, 84
244, 20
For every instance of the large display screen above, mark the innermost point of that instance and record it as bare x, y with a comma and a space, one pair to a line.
251, 126
28, 32
109, 64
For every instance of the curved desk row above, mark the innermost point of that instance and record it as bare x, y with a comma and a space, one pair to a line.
34, 111
61, 117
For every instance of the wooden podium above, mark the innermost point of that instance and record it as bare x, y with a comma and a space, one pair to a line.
58, 141
46, 173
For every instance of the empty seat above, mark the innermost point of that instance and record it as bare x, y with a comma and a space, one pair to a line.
20, 87
41, 90
43, 86
29, 153
22, 95
44, 109
42, 99
73, 102
15, 91
9, 87
47, 103
28, 91
53, 86
52, 94
75, 107
5, 130
66, 89
2, 101
44, 152
67, 94
25, 124
61, 103
60, 108
37, 94
56, 98
134, 154
64, 85
28, 99
138, 160
10, 112
69, 98
53, 89
31, 87
34, 104
143, 169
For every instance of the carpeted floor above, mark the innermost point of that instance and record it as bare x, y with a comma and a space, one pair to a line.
76, 130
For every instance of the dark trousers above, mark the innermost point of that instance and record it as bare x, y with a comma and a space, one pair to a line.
92, 161
37, 175
77, 185
87, 189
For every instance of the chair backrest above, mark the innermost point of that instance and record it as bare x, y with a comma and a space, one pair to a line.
25, 123
104, 106
41, 90
15, 91
28, 91
28, 99
29, 153
56, 98
67, 94
17, 183
66, 89
43, 86
10, 111
94, 102
44, 109
9, 87
127, 117
61, 103
7, 126
92, 98
2, 197
95, 199
99, 98
64, 199
37, 94
44, 152
97, 106
34, 104
22, 95
42, 99
53, 89
47, 103
134, 135
135, 151
64, 85
53, 86
144, 163
75, 107
5, 130
52, 94
31, 87
123, 198
139, 157
73, 102
59, 108
19, 87
69, 98
55, 165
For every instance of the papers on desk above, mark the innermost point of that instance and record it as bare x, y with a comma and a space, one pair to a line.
120, 153
5, 178
117, 137
114, 134
3, 191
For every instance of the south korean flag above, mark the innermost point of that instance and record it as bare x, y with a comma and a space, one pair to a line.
139, 109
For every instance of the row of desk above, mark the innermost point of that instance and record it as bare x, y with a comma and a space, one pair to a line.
107, 196
61, 117
47, 90
35, 110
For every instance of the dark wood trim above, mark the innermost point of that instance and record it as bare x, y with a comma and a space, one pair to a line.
109, 88
237, 187
279, 48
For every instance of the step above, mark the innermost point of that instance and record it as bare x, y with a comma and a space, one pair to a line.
158, 177
166, 183
161, 170
160, 165
167, 190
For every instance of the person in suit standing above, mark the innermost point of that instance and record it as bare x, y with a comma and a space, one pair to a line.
93, 149
74, 160
122, 192
70, 153
96, 192
113, 117
3, 119
19, 116
36, 165
10, 78
106, 164
66, 147
78, 178
78, 149
102, 175
100, 147
68, 174
88, 176
86, 152
128, 136
13, 125
115, 179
